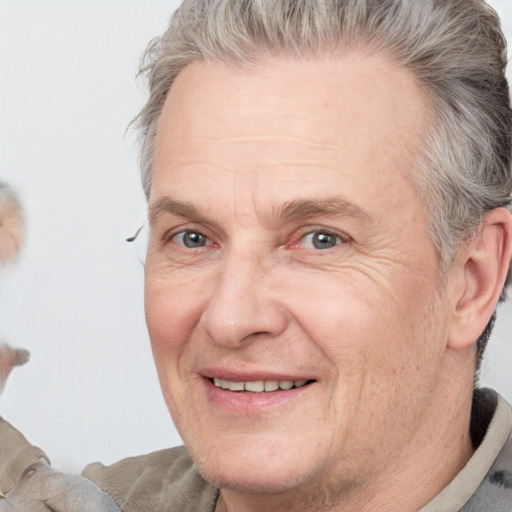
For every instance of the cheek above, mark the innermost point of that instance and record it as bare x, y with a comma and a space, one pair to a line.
170, 318
363, 325
173, 308
169, 322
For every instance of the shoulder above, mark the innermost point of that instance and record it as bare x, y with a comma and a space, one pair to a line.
166, 480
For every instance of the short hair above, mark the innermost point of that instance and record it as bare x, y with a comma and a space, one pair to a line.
455, 48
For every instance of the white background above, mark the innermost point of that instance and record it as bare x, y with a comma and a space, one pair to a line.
75, 300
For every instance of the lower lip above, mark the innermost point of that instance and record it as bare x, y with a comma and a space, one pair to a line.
246, 402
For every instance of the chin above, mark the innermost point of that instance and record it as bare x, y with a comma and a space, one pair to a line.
255, 470
250, 482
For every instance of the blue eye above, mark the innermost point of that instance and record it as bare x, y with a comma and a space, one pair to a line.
191, 239
321, 240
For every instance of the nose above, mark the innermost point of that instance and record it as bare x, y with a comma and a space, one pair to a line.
243, 306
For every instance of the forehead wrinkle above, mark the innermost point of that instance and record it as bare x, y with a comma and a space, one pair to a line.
193, 164
279, 137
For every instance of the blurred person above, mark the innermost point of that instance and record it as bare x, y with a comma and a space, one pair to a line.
12, 224
12, 235
29, 482
328, 187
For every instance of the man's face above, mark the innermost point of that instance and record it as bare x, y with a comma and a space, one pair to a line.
289, 245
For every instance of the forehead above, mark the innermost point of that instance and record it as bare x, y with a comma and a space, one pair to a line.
357, 118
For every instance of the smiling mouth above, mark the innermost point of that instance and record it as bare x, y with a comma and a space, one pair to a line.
260, 386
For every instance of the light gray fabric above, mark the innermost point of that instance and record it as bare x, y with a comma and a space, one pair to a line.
495, 492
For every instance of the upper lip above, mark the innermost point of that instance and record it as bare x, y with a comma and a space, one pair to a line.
251, 376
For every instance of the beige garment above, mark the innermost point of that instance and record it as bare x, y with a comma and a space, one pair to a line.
163, 481
16, 454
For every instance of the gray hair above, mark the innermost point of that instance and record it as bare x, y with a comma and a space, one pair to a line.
455, 48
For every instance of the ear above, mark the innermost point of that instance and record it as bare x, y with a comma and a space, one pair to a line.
480, 271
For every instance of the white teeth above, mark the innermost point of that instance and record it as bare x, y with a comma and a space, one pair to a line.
271, 385
236, 386
258, 386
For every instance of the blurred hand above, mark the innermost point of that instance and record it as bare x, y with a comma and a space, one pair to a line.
44, 489
9, 358
40, 488
12, 224
12, 234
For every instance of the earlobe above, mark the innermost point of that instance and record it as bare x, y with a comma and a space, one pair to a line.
482, 270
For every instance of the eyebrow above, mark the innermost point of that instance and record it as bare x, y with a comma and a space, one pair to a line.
291, 210
178, 208
330, 206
